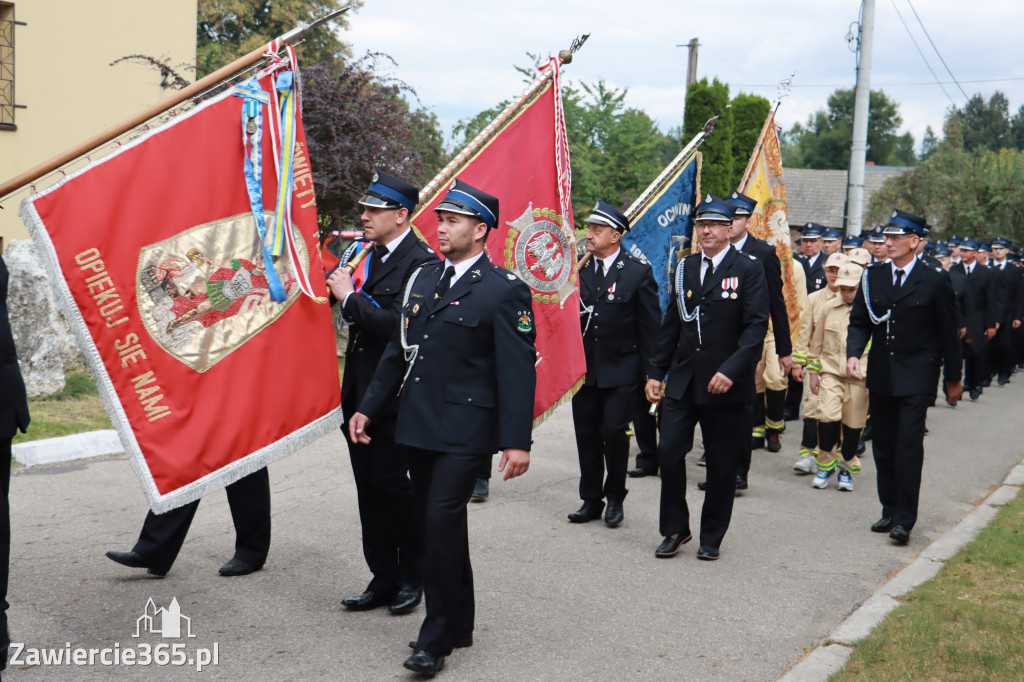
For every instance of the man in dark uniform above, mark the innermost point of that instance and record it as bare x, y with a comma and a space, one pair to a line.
905, 309
810, 256
13, 417
391, 541
830, 241
981, 315
1011, 293
813, 262
619, 319
707, 350
876, 245
769, 406
463, 365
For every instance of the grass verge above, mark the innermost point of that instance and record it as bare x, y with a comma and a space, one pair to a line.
76, 409
965, 624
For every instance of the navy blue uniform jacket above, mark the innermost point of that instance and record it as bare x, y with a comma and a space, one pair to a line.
732, 331
472, 384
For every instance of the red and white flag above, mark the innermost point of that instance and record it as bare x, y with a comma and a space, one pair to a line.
526, 165
156, 258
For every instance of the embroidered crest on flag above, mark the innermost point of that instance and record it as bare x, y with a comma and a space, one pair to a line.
538, 250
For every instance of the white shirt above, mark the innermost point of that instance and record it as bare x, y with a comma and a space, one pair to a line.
906, 270
462, 267
969, 268
999, 264
607, 261
812, 261
716, 260
741, 243
391, 246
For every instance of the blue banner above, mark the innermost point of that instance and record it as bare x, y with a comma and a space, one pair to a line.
663, 230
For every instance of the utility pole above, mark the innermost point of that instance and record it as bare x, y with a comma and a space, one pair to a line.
859, 145
691, 68
691, 65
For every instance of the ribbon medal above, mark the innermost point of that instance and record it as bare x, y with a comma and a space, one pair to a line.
729, 286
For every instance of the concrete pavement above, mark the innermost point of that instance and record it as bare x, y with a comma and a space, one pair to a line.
554, 600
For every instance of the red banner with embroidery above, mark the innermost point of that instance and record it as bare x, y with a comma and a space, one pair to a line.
534, 238
155, 257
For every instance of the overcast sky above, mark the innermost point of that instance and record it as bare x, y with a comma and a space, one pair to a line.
459, 55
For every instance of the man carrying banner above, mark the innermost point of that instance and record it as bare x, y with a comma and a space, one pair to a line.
776, 356
391, 541
707, 350
619, 321
463, 366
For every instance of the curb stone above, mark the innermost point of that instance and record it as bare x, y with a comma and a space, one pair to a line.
67, 448
829, 658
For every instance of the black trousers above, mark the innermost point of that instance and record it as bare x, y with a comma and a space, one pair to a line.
249, 498
898, 446
442, 484
5, 532
601, 417
645, 429
392, 545
975, 362
726, 431
1002, 352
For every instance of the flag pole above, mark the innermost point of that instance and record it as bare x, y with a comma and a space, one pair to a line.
496, 126
682, 158
291, 37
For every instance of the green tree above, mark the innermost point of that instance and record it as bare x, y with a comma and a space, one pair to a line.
824, 141
228, 29
973, 193
983, 125
704, 100
749, 112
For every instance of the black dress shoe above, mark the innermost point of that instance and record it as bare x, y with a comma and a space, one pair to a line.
640, 473
882, 525
407, 599
613, 514
460, 643
707, 553
741, 482
671, 544
974, 394
703, 461
900, 535
368, 600
590, 510
237, 567
702, 485
861, 447
424, 663
133, 560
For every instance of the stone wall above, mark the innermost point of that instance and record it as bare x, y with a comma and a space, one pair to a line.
46, 347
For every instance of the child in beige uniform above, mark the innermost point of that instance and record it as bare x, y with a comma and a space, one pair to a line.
842, 402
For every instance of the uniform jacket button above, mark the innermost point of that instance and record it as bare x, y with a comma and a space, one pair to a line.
416, 380
426, 336
469, 400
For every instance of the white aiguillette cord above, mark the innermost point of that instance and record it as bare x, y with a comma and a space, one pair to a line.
681, 303
411, 351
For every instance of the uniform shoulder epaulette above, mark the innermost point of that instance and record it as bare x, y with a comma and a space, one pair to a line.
637, 259
506, 275
425, 247
429, 263
876, 264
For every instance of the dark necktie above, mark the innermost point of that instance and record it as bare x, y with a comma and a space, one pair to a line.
445, 282
899, 278
599, 278
710, 269
379, 252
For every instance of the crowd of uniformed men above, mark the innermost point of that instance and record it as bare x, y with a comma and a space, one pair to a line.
427, 401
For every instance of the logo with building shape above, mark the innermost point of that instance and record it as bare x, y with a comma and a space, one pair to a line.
168, 622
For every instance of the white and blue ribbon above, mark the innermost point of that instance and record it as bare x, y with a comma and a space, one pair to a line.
252, 110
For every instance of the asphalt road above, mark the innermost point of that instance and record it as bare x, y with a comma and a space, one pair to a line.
554, 600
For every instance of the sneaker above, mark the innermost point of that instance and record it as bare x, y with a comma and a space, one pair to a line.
821, 480
845, 481
481, 490
805, 465
772, 438
702, 462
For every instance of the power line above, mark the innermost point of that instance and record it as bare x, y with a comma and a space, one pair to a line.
880, 85
936, 49
923, 58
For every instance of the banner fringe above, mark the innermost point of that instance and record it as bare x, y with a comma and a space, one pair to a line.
69, 309
558, 403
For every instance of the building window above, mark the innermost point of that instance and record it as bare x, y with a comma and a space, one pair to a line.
7, 66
